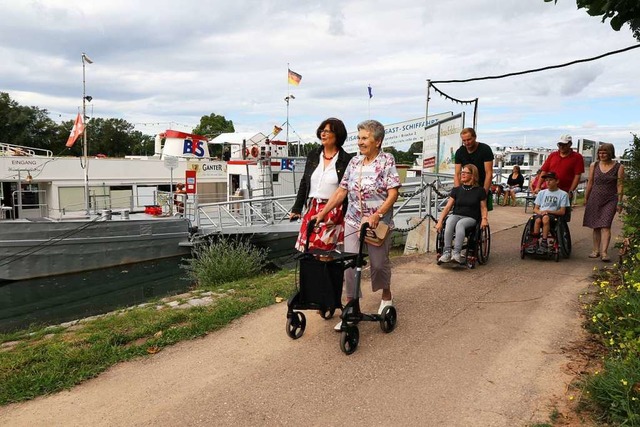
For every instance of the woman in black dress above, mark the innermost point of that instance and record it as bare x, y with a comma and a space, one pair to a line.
515, 182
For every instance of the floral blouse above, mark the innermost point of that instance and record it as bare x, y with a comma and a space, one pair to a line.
368, 185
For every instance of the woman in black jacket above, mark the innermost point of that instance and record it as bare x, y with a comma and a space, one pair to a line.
515, 183
322, 173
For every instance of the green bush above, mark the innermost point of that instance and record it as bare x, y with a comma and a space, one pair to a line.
225, 260
616, 391
614, 315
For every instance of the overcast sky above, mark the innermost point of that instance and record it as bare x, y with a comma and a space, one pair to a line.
164, 64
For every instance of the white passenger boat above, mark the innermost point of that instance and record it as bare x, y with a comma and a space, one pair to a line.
59, 217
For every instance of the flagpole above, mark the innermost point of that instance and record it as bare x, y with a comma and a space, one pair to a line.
287, 99
85, 59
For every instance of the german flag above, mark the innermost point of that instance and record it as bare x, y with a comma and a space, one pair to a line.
294, 78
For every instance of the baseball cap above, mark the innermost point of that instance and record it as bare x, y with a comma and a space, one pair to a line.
550, 175
565, 139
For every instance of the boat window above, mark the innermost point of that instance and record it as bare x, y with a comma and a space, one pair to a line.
517, 159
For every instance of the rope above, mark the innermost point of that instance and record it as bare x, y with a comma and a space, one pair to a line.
535, 70
459, 101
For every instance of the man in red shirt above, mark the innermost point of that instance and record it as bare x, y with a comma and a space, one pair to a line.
566, 163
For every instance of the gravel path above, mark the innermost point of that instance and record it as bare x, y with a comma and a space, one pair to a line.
479, 347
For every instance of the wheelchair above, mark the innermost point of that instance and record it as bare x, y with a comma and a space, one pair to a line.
475, 249
561, 240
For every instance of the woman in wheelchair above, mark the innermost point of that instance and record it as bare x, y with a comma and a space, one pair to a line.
550, 204
468, 204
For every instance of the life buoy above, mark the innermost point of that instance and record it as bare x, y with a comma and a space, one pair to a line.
255, 152
246, 153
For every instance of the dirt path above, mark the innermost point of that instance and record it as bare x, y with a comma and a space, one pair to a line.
481, 347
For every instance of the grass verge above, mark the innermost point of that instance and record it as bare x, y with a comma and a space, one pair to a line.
52, 359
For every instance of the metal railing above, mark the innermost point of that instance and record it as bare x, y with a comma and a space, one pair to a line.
416, 200
219, 217
21, 150
27, 204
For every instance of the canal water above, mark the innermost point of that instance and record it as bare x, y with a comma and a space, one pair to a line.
53, 300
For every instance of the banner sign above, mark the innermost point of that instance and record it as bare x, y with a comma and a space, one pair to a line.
441, 140
399, 135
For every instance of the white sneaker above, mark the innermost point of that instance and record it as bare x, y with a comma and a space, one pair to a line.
383, 304
456, 257
445, 257
338, 327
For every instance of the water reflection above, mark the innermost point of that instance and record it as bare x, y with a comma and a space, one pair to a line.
59, 299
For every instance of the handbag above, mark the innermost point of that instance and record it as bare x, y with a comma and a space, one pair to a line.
372, 236
375, 236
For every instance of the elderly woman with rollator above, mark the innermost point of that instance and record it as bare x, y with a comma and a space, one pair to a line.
371, 185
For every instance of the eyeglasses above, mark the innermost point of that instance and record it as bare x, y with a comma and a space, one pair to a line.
562, 144
326, 131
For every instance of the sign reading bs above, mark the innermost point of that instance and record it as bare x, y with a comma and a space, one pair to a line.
196, 148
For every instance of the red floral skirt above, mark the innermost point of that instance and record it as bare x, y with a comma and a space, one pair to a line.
325, 236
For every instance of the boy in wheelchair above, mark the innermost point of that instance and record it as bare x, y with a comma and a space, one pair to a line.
550, 204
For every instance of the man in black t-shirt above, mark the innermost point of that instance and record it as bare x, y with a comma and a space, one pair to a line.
476, 153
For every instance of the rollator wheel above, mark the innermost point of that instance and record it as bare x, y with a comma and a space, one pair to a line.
296, 325
389, 319
327, 313
349, 339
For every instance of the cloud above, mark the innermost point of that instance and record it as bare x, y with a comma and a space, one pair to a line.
176, 62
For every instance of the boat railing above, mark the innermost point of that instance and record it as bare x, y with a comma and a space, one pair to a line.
97, 204
21, 150
421, 200
27, 204
256, 213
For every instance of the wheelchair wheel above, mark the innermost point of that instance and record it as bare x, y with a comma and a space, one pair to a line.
439, 244
526, 236
296, 325
564, 238
349, 339
484, 245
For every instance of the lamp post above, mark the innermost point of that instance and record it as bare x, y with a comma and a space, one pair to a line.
85, 98
287, 99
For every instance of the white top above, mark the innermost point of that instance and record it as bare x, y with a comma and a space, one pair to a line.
324, 181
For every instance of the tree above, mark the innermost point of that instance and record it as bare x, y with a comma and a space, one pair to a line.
27, 126
213, 125
619, 11
402, 157
113, 137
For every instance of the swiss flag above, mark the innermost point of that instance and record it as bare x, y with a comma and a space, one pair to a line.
76, 131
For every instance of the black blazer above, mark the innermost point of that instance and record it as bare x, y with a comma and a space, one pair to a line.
313, 159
